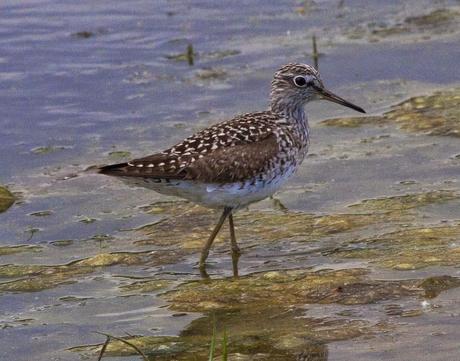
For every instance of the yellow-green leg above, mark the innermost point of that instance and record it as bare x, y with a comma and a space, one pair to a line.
235, 249
207, 246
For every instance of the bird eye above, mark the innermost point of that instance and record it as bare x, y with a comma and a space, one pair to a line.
300, 81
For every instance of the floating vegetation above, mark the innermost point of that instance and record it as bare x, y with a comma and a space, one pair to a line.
110, 259
86, 34
221, 54
74, 299
145, 76
433, 286
407, 249
439, 22
436, 18
31, 231
188, 55
101, 237
62, 242
120, 154
83, 34
351, 122
6, 199
87, 220
211, 74
41, 213
435, 114
278, 288
110, 337
264, 314
405, 202
418, 247
305, 7
315, 54
7, 250
256, 227
145, 286
239, 308
33, 278
149, 345
46, 149
253, 227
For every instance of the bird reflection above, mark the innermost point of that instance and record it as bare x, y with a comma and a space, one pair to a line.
314, 351
235, 259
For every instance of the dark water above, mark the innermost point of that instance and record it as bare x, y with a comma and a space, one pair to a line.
81, 80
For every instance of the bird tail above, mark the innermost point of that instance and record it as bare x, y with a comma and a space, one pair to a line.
112, 169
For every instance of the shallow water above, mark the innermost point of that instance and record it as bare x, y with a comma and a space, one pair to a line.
94, 83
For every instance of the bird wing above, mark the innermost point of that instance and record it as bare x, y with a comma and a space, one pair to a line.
231, 151
235, 163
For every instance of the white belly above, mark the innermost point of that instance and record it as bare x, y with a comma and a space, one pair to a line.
215, 195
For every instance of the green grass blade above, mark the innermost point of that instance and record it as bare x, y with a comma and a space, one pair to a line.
212, 348
224, 346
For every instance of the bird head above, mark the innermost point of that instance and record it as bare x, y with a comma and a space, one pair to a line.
294, 85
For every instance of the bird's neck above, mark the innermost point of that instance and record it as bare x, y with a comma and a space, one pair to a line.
294, 115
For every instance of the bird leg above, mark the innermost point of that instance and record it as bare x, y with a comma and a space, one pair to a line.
235, 249
207, 246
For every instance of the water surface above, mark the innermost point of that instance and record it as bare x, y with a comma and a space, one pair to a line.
95, 83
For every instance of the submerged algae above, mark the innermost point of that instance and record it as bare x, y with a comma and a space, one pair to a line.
6, 199
407, 249
46, 149
120, 154
435, 114
435, 22
283, 288
145, 286
252, 226
7, 250
436, 18
33, 278
405, 202
285, 335
265, 317
150, 345
351, 122
265, 314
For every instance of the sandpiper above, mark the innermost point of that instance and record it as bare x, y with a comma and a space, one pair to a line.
239, 161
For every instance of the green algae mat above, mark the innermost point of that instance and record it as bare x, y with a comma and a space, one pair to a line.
6, 199
436, 114
266, 313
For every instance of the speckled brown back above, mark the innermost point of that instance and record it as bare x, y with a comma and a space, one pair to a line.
234, 150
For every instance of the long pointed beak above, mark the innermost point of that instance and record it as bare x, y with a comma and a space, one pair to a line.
326, 94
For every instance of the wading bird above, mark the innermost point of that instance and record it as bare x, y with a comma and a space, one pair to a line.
239, 161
